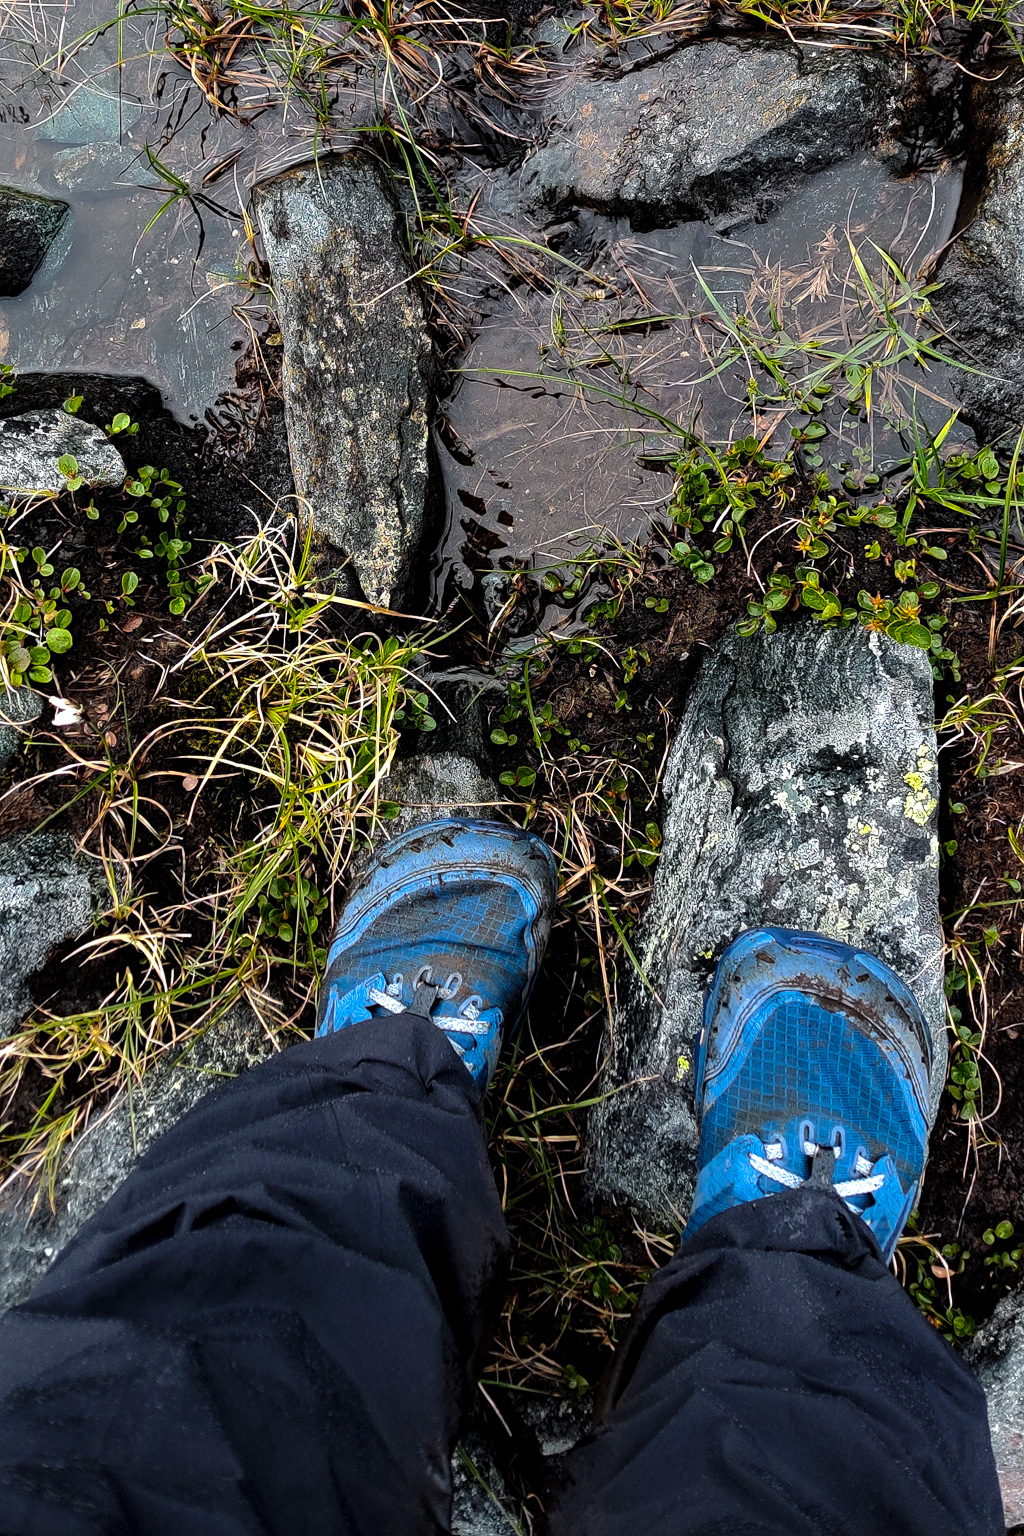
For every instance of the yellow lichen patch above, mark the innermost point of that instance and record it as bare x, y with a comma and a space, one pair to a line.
919, 803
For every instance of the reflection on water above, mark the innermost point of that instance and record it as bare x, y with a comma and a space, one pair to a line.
568, 403
112, 298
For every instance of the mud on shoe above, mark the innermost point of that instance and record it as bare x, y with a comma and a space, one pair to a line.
813, 1069
450, 921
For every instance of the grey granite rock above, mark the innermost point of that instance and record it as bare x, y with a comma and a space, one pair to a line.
481, 1502
355, 344
47, 894
33, 1231
18, 706
982, 297
716, 131
440, 784
997, 1355
801, 791
28, 227
32, 444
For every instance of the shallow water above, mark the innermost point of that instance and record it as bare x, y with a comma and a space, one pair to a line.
111, 297
551, 442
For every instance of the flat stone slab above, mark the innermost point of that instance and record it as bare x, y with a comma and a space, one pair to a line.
32, 444
28, 227
355, 341
715, 129
801, 791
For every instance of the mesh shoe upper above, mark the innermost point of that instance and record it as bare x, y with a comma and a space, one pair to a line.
451, 920
813, 1067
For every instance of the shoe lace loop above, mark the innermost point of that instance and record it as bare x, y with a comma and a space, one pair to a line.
427, 993
823, 1160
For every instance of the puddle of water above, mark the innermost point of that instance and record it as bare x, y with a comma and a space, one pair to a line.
75, 122
552, 439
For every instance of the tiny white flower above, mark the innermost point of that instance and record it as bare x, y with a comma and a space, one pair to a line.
64, 712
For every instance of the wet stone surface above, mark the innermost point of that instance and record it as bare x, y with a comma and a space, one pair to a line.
726, 179
718, 131
355, 351
28, 227
47, 896
31, 446
801, 791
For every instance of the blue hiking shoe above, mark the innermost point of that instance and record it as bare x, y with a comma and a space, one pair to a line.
813, 1068
450, 920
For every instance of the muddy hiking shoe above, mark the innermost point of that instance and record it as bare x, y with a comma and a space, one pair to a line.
813, 1069
450, 921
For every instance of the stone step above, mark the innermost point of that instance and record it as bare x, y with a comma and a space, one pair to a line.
801, 791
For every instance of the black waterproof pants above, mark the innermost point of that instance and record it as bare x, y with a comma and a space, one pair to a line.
273, 1324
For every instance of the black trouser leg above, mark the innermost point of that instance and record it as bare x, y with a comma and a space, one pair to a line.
272, 1324
777, 1380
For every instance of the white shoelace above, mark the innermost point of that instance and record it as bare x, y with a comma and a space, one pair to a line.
465, 1022
770, 1166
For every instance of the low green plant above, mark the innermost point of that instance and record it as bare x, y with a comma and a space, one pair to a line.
1001, 1256
37, 623
164, 498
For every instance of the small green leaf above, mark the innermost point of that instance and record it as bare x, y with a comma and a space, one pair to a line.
59, 640
913, 634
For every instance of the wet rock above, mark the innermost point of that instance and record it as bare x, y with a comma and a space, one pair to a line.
18, 706
801, 791
997, 1355
481, 1502
33, 1231
355, 342
28, 227
716, 131
440, 784
982, 297
47, 893
32, 444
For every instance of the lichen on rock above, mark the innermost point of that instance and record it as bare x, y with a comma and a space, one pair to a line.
356, 345
786, 803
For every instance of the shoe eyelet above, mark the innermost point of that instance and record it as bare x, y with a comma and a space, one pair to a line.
451, 986
394, 986
471, 1007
